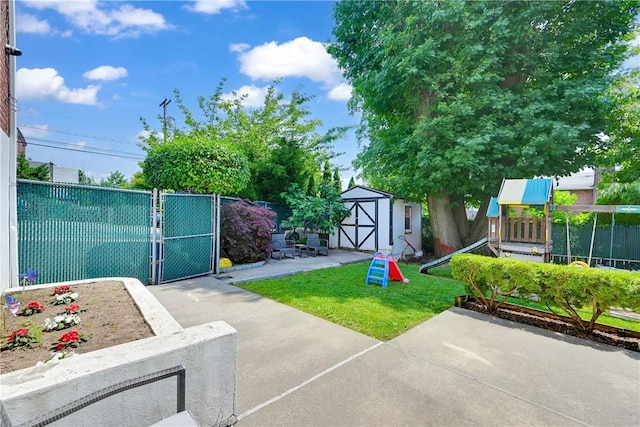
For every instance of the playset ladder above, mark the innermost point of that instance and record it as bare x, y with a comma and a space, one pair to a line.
379, 270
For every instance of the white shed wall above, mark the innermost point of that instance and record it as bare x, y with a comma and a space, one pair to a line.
389, 223
415, 236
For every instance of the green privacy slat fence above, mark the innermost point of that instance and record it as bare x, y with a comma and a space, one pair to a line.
626, 241
68, 232
188, 235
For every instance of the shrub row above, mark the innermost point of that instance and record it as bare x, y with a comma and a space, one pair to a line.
492, 280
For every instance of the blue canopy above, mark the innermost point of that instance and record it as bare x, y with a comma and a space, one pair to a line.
525, 191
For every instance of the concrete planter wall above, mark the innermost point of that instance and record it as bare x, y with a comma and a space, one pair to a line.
208, 352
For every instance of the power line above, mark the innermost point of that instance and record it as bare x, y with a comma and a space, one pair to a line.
25, 109
77, 134
86, 149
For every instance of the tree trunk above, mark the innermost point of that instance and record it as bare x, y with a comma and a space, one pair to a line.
460, 217
446, 238
480, 224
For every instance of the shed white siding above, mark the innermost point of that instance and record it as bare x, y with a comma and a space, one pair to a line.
376, 219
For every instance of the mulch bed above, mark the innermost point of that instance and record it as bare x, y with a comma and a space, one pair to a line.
629, 340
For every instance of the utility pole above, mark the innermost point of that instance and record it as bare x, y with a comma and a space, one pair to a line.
164, 104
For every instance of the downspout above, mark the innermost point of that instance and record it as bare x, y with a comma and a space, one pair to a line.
13, 131
391, 242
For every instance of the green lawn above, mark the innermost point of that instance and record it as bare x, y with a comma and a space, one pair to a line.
340, 295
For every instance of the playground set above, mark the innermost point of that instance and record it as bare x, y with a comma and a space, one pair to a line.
526, 237
383, 268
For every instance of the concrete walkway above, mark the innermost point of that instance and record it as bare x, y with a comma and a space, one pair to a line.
459, 368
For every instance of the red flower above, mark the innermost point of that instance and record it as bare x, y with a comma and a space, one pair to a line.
64, 289
73, 308
35, 305
71, 336
70, 339
19, 333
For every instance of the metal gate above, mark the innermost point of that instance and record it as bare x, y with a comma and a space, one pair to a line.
185, 242
359, 228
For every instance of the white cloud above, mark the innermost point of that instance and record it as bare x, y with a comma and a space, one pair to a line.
341, 92
301, 57
238, 47
29, 24
34, 131
254, 96
39, 84
106, 73
92, 17
212, 7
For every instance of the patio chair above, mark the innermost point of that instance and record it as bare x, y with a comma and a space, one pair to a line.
316, 245
282, 247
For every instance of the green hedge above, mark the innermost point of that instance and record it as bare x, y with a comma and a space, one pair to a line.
493, 280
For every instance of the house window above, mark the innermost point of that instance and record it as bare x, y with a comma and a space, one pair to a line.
407, 219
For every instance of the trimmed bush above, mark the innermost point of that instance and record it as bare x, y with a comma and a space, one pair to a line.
492, 280
246, 231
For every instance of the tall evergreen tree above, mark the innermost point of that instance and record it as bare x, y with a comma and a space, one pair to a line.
352, 183
337, 181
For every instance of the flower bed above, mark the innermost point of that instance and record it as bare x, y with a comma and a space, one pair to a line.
103, 314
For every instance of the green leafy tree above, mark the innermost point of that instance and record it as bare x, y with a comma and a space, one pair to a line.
115, 180
456, 96
619, 153
326, 173
278, 140
627, 193
320, 213
83, 178
311, 185
24, 171
337, 181
352, 183
196, 164
138, 182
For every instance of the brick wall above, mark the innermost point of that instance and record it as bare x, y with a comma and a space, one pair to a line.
4, 68
585, 197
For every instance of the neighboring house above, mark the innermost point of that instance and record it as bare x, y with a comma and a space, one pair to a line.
582, 184
59, 173
22, 143
376, 220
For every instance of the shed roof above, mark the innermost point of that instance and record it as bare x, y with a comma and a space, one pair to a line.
360, 191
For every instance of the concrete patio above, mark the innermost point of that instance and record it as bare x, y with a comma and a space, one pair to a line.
459, 368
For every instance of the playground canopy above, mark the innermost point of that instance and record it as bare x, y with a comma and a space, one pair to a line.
525, 191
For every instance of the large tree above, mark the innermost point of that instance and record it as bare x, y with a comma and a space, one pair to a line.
455, 96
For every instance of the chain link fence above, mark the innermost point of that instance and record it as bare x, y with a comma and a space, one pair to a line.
612, 246
69, 232
76, 232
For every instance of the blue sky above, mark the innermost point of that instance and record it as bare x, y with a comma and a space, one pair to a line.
90, 69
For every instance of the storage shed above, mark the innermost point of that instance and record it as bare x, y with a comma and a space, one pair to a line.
376, 221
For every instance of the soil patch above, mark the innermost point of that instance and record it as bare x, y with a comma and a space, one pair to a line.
628, 340
111, 318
